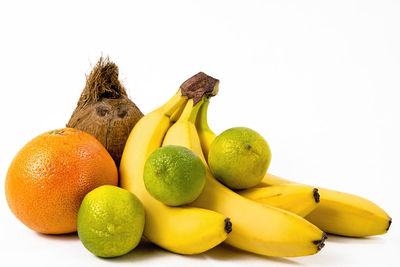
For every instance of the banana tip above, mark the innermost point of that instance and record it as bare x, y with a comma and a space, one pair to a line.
316, 195
228, 225
389, 224
321, 242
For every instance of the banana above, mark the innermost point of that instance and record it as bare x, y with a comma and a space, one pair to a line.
343, 213
257, 228
296, 198
337, 213
183, 230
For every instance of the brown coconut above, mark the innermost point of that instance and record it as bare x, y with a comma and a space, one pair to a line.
104, 109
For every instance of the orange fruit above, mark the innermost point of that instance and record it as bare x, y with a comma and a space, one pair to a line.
49, 177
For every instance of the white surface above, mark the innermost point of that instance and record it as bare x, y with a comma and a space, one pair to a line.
319, 79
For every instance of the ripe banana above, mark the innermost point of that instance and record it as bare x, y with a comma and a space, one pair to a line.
184, 230
257, 228
296, 198
344, 214
337, 213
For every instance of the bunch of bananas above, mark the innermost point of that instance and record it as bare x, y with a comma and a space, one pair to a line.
276, 218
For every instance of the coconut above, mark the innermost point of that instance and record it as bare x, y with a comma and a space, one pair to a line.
104, 109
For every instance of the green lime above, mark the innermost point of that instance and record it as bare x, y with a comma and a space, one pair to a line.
110, 221
239, 157
174, 175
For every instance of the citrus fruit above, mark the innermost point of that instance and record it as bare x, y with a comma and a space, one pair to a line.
51, 174
110, 221
174, 175
239, 157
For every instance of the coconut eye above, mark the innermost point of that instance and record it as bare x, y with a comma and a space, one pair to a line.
102, 111
122, 113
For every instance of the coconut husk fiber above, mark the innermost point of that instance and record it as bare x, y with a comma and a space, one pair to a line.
104, 109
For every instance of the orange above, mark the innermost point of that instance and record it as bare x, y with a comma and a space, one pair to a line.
49, 177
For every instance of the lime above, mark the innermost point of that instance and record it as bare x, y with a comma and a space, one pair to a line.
174, 175
239, 157
110, 221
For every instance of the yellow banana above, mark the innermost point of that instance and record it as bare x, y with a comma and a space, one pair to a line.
257, 228
296, 198
337, 213
343, 213
184, 230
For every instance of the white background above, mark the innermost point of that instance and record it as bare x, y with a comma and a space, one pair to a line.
320, 80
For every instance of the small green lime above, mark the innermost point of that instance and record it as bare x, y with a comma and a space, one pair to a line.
239, 157
110, 221
174, 175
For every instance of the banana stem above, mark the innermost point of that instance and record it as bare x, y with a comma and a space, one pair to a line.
173, 104
199, 85
189, 114
201, 121
177, 113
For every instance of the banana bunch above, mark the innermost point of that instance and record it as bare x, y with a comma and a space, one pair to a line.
276, 218
336, 212
219, 214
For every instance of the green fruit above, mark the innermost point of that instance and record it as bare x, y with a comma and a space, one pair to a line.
110, 221
239, 158
174, 175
